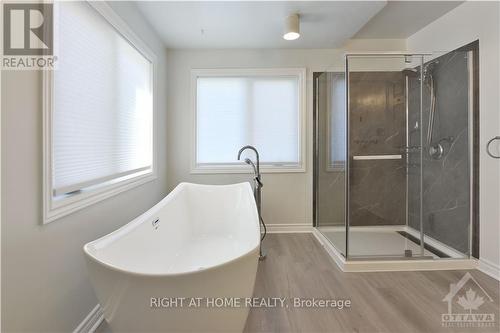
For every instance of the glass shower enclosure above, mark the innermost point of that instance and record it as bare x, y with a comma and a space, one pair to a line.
393, 166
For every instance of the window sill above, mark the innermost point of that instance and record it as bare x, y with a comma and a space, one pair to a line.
57, 208
245, 169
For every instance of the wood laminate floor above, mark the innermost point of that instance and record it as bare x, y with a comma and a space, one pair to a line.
298, 267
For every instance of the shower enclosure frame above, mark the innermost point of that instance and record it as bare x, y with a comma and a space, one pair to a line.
473, 128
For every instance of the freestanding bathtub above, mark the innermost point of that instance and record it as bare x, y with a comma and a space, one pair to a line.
200, 241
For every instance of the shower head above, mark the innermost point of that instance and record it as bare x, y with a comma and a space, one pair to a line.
410, 72
429, 67
414, 72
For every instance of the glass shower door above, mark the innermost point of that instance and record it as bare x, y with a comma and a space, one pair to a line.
384, 181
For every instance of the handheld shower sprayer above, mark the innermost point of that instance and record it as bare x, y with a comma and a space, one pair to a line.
249, 162
435, 150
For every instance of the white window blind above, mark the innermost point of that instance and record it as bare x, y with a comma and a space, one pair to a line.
337, 121
102, 118
233, 111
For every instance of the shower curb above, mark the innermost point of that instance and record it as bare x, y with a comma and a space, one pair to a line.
392, 265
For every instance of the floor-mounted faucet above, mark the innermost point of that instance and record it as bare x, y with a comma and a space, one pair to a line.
257, 186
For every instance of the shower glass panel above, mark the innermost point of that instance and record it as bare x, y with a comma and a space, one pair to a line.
448, 176
384, 156
330, 153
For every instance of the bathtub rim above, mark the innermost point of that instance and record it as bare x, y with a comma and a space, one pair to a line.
128, 227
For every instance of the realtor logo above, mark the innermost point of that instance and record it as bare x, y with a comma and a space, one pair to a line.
28, 36
464, 301
28, 29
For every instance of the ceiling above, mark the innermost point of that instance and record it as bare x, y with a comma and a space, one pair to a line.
401, 19
256, 24
259, 24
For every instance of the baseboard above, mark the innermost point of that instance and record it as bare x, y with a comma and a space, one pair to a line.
91, 322
289, 228
489, 268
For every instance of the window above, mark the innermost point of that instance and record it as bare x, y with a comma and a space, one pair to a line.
336, 138
98, 117
259, 107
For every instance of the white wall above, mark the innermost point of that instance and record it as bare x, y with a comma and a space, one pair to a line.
466, 23
45, 286
287, 197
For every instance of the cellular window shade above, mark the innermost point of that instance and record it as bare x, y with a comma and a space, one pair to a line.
337, 120
102, 110
236, 111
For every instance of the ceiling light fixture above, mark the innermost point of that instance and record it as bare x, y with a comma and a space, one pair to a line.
292, 27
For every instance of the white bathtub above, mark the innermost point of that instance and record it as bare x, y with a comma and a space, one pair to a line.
199, 241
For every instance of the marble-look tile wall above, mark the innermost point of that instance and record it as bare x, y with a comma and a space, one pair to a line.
446, 181
377, 127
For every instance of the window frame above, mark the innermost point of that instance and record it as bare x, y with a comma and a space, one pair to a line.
54, 209
217, 168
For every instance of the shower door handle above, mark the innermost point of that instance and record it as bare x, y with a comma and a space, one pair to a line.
488, 147
376, 157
